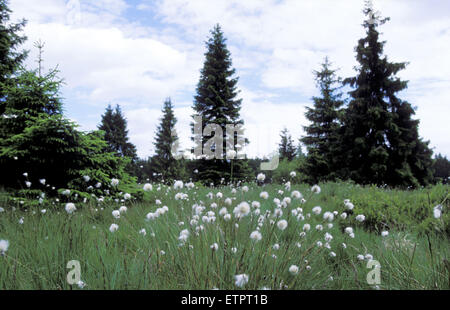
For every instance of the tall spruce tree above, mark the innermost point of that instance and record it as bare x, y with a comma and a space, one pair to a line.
286, 148
11, 57
216, 103
380, 138
31, 99
322, 135
164, 163
114, 125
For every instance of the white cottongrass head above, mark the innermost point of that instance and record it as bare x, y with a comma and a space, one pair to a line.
113, 228
116, 214
147, 187
282, 225
178, 196
178, 185
261, 177
348, 205
256, 236
256, 204
360, 218
328, 216
223, 211
287, 185
214, 246
114, 182
437, 211
241, 210
293, 269
278, 212
316, 189
264, 195
384, 233
348, 230
70, 208
293, 174
286, 201
4, 245
317, 210
296, 195
184, 235
241, 280
151, 216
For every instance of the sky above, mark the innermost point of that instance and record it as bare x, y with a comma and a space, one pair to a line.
137, 53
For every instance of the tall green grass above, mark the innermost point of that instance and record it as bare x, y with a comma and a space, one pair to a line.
410, 257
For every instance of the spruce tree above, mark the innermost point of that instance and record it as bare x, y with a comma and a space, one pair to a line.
10, 56
216, 103
382, 141
114, 125
32, 94
164, 163
322, 135
286, 148
32, 98
36, 138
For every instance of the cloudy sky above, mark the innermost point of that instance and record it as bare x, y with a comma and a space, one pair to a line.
136, 53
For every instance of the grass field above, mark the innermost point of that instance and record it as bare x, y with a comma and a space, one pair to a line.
194, 244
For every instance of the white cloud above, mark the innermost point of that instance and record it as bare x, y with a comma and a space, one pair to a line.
111, 65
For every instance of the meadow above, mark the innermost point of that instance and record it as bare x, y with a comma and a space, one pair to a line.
252, 236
